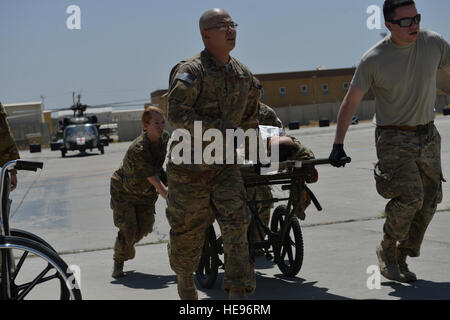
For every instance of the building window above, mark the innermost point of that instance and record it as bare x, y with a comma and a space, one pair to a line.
304, 90
346, 86
283, 92
324, 88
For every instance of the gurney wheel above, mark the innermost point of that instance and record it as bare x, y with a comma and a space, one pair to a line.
208, 266
289, 253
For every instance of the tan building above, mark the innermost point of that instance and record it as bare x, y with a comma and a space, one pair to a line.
158, 98
305, 87
319, 86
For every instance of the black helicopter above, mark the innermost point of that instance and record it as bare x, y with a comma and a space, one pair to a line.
79, 132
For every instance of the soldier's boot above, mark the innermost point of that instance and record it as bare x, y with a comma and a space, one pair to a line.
387, 260
237, 294
186, 287
117, 270
403, 266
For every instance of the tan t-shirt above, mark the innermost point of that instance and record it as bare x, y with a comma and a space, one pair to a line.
403, 79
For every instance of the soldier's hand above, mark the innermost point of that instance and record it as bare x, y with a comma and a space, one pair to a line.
13, 182
163, 176
338, 157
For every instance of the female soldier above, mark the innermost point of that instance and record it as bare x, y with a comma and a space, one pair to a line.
135, 187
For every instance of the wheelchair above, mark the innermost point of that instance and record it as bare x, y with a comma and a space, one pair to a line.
22, 253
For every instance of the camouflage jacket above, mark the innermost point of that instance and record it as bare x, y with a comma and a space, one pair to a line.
268, 117
143, 159
8, 147
220, 96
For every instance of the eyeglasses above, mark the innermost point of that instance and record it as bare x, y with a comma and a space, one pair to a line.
407, 22
224, 27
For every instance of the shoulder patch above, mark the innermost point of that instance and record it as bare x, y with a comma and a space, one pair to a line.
256, 83
174, 71
186, 77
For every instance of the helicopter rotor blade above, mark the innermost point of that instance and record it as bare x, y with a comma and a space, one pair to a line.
118, 104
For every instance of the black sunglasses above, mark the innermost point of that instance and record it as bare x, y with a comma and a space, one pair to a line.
406, 22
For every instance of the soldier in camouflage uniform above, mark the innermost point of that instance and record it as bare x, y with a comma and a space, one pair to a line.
222, 93
135, 187
401, 69
268, 117
8, 147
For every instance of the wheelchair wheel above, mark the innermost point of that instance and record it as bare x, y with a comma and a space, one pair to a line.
289, 253
208, 266
30, 236
31, 270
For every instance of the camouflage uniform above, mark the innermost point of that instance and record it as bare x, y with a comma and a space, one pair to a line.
268, 117
222, 97
133, 197
8, 147
409, 173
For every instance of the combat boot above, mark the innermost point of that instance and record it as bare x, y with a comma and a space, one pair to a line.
387, 260
186, 287
118, 270
237, 294
403, 266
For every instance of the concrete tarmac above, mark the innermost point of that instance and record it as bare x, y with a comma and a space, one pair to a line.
67, 204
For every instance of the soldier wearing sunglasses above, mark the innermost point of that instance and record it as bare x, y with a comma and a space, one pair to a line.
401, 70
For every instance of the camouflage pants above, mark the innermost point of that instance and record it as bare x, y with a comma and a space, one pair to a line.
135, 219
409, 173
195, 199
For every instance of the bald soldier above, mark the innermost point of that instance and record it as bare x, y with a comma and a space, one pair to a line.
8, 147
222, 93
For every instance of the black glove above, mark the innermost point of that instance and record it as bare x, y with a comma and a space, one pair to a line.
337, 155
163, 176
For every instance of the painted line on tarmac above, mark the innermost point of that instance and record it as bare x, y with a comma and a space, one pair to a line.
341, 221
167, 241
358, 220
108, 248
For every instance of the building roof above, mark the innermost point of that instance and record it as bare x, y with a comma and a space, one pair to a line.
22, 104
127, 111
305, 74
57, 114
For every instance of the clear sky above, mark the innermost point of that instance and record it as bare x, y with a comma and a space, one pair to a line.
125, 49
